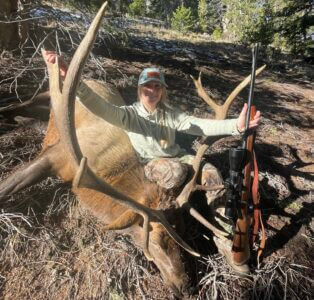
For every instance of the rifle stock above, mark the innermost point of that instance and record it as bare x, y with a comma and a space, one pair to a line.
241, 242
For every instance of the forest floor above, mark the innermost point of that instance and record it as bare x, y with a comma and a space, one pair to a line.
50, 247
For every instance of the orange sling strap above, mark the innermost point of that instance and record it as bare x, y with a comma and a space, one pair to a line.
257, 215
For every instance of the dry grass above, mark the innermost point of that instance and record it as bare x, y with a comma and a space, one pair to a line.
277, 279
169, 34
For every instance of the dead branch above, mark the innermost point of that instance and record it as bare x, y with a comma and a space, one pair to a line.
44, 96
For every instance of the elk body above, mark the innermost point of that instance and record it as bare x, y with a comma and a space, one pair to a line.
112, 183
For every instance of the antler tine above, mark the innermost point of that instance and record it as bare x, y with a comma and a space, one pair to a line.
64, 109
189, 188
222, 110
87, 179
238, 89
183, 198
203, 94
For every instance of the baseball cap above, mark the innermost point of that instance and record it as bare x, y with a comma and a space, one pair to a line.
151, 74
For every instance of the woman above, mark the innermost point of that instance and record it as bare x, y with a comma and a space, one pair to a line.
151, 125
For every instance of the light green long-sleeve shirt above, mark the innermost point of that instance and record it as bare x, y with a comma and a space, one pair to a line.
153, 134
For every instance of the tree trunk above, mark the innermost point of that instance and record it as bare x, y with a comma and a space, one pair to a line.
12, 33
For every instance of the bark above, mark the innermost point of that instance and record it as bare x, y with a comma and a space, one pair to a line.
12, 33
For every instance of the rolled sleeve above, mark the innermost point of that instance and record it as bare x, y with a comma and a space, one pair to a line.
207, 127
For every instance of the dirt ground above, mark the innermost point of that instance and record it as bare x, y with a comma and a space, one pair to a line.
50, 247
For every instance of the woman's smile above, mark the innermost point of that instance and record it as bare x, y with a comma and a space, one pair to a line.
150, 95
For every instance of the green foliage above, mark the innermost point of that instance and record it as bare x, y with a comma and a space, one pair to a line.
182, 19
193, 5
202, 15
217, 34
284, 24
162, 9
137, 8
249, 21
293, 23
210, 15
279, 41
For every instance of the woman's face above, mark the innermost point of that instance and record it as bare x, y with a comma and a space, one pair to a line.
150, 94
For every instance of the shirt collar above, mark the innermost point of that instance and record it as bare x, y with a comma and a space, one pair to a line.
143, 112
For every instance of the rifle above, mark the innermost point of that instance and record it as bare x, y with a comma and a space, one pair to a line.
242, 195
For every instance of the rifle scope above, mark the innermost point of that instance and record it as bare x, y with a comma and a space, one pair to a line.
234, 181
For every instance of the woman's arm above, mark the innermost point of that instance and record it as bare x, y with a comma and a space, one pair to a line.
118, 116
208, 127
205, 127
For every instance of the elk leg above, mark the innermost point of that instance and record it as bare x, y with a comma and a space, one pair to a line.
30, 174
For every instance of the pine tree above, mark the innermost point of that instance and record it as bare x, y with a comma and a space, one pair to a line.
294, 24
210, 15
249, 20
137, 8
163, 9
203, 15
182, 19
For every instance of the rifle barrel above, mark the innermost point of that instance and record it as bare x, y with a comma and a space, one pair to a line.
251, 93
252, 84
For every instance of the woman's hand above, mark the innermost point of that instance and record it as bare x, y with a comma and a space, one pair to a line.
241, 119
50, 56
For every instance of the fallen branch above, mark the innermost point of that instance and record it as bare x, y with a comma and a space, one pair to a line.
40, 97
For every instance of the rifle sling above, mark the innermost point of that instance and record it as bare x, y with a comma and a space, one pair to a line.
257, 216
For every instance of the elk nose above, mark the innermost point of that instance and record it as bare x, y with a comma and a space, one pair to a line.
183, 292
179, 293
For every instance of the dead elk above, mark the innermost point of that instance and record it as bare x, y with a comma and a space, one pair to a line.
106, 174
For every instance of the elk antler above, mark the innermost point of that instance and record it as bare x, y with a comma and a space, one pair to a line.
63, 107
183, 198
222, 110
